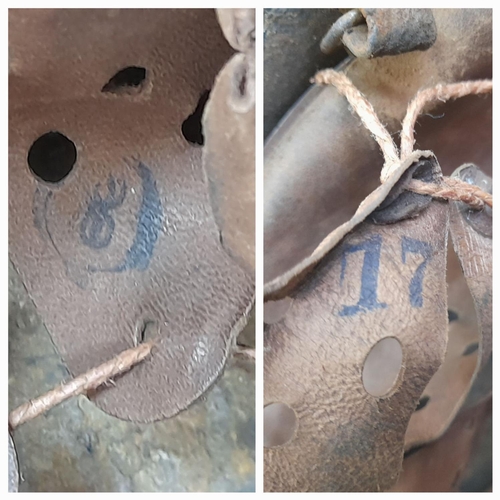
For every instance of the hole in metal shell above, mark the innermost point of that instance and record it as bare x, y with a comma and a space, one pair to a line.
382, 367
280, 423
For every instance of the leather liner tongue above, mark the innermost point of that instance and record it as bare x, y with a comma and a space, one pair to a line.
379, 283
126, 243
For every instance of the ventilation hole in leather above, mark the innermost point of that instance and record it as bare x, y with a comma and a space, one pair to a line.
280, 423
452, 315
422, 403
192, 128
125, 79
382, 367
52, 157
470, 349
275, 310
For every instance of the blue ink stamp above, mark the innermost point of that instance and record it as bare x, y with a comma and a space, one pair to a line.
409, 245
368, 300
97, 226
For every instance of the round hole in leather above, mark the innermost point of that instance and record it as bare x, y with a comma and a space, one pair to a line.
309, 122
382, 367
275, 310
52, 157
280, 424
130, 235
314, 356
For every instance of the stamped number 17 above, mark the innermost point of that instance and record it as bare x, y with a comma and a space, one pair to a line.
368, 300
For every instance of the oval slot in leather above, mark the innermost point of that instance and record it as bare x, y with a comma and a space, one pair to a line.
382, 367
280, 424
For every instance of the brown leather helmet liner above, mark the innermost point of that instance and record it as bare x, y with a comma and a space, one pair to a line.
444, 394
442, 464
127, 239
383, 281
229, 127
320, 163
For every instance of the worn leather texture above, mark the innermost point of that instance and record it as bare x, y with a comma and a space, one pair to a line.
320, 163
126, 246
441, 465
280, 286
470, 336
379, 282
229, 127
475, 252
447, 389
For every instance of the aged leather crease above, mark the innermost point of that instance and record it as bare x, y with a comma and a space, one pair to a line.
126, 246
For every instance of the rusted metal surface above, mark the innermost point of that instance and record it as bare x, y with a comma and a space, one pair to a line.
292, 55
333, 39
389, 32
